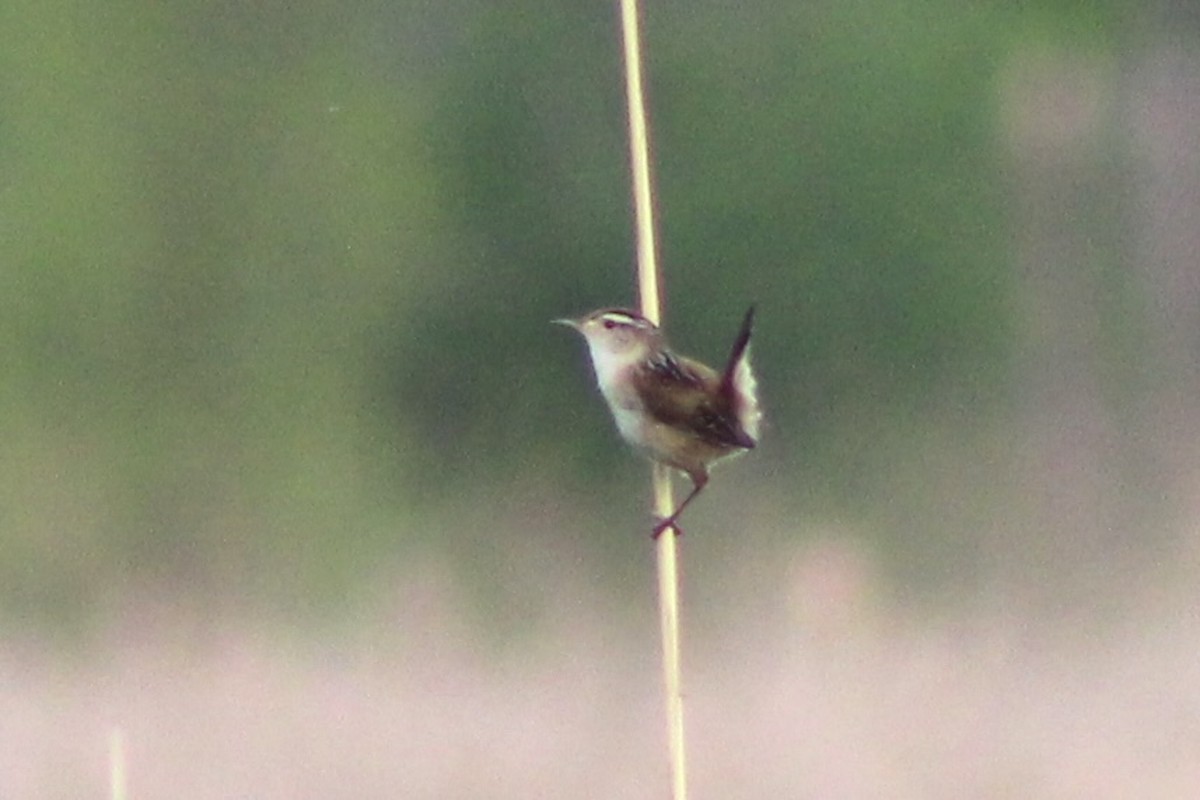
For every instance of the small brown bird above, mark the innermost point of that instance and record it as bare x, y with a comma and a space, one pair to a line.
675, 410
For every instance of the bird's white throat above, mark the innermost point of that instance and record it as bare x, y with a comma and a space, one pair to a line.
612, 375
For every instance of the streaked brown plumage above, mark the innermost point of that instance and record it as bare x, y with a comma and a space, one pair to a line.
675, 410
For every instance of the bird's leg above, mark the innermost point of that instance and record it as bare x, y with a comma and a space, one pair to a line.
699, 480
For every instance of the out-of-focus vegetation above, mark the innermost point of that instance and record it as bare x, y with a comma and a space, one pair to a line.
276, 281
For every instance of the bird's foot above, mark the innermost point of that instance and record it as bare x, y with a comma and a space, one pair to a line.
663, 524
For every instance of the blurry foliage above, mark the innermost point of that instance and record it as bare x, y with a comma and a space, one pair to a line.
833, 165
273, 275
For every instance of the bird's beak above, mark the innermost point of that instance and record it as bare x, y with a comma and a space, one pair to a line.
570, 323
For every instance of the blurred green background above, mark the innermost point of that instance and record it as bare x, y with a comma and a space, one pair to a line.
277, 278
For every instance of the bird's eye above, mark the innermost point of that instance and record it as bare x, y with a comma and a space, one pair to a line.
609, 324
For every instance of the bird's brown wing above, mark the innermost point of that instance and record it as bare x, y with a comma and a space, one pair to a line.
684, 393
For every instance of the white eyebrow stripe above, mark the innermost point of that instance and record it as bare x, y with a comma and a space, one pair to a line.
620, 318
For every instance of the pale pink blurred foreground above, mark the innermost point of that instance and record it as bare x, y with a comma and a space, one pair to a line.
800, 684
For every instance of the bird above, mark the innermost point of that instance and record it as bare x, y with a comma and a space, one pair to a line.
674, 410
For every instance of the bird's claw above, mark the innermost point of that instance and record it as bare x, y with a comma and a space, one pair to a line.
662, 525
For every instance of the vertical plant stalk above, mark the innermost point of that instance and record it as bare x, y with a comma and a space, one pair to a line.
116, 764
649, 282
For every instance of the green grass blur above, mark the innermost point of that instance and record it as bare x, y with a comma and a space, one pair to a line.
277, 282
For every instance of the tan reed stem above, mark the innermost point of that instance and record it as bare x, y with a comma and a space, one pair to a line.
648, 288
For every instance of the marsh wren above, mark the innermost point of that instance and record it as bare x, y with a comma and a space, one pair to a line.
675, 410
